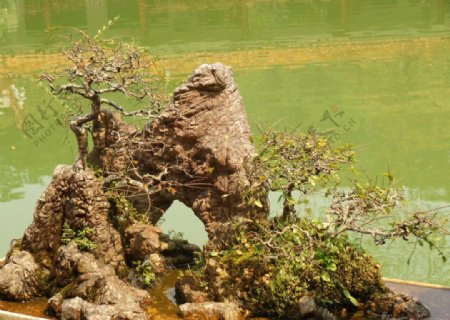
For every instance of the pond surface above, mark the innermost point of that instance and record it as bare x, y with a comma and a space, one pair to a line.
375, 73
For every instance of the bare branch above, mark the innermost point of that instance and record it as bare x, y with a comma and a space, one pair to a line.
143, 112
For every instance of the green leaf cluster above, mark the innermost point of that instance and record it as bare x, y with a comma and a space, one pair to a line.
272, 265
82, 237
145, 271
122, 212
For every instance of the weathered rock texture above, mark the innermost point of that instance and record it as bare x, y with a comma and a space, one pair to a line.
206, 132
77, 199
19, 277
83, 282
141, 240
91, 289
193, 152
197, 148
398, 306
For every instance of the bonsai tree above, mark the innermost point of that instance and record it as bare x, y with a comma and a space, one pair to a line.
295, 263
102, 71
302, 263
289, 162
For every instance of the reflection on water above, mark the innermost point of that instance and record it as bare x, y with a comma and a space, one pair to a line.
162, 307
223, 24
373, 73
33, 308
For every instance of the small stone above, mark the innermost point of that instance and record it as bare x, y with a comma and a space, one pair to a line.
306, 305
157, 261
18, 280
54, 304
142, 240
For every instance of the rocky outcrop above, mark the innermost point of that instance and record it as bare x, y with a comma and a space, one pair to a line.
19, 277
141, 240
60, 257
206, 128
144, 242
92, 232
89, 289
78, 243
77, 308
74, 200
193, 152
197, 148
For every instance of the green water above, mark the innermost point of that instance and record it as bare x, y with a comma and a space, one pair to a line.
385, 64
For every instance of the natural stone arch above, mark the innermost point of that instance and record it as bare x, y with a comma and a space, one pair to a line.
181, 219
206, 132
197, 149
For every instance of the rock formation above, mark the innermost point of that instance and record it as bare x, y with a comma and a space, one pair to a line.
197, 147
18, 279
206, 132
84, 238
75, 199
94, 230
91, 289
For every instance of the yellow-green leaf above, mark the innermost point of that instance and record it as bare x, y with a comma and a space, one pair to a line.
331, 267
350, 297
325, 276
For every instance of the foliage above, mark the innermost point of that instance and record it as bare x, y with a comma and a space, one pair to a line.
122, 212
81, 237
176, 236
362, 209
103, 73
293, 161
289, 162
100, 67
145, 271
272, 263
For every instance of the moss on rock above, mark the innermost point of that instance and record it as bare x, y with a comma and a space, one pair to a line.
272, 265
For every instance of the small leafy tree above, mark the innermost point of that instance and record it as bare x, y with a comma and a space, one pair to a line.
304, 163
289, 162
271, 264
100, 72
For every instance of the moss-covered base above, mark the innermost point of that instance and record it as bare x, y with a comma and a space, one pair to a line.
282, 270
